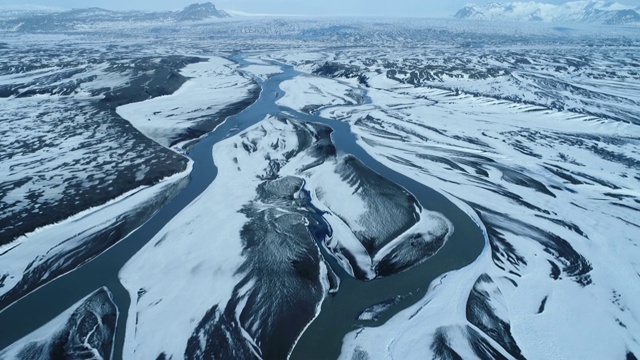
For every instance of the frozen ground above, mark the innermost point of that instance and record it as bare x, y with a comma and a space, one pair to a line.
215, 90
64, 149
225, 289
77, 177
557, 192
55, 249
85, 331
262, 71
255, 256
533, 131
316, 92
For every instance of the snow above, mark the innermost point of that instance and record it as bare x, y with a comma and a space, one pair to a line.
591, 11
214, 84
563, 329
549, 327
197, 254
561, 167
62, 150
360, 214
372, 313
50, 241
262, 71
42, 341
200, 252
71, 169
582, 299
314, 92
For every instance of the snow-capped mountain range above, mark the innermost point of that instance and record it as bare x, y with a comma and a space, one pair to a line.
39, 20
596, 12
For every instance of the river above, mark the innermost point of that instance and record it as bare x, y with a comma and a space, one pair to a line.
323, 338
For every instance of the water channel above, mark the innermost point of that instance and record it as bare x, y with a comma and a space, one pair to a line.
323, 338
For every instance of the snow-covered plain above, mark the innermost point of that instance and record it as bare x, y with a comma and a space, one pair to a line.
558, 194
196, 108
584, 79
533, 131
75, 177
316, 92
63, 147
55, 249
262, 71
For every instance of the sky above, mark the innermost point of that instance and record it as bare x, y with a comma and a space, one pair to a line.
417, 8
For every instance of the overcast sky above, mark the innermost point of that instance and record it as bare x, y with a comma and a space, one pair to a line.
421, 8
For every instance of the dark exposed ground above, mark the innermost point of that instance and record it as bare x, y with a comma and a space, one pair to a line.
87, 334
113, 149
280, 253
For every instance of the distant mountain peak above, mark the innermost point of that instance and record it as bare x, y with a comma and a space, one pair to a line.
195, 12
586, 11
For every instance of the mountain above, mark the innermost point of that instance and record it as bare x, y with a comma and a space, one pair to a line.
593, 12
12, 12
93, 18
196, 12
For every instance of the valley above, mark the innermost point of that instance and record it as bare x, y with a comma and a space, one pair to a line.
320, 188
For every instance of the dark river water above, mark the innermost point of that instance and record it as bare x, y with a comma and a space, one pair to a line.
323, 338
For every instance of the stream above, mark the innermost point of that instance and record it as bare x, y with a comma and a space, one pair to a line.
323, 338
